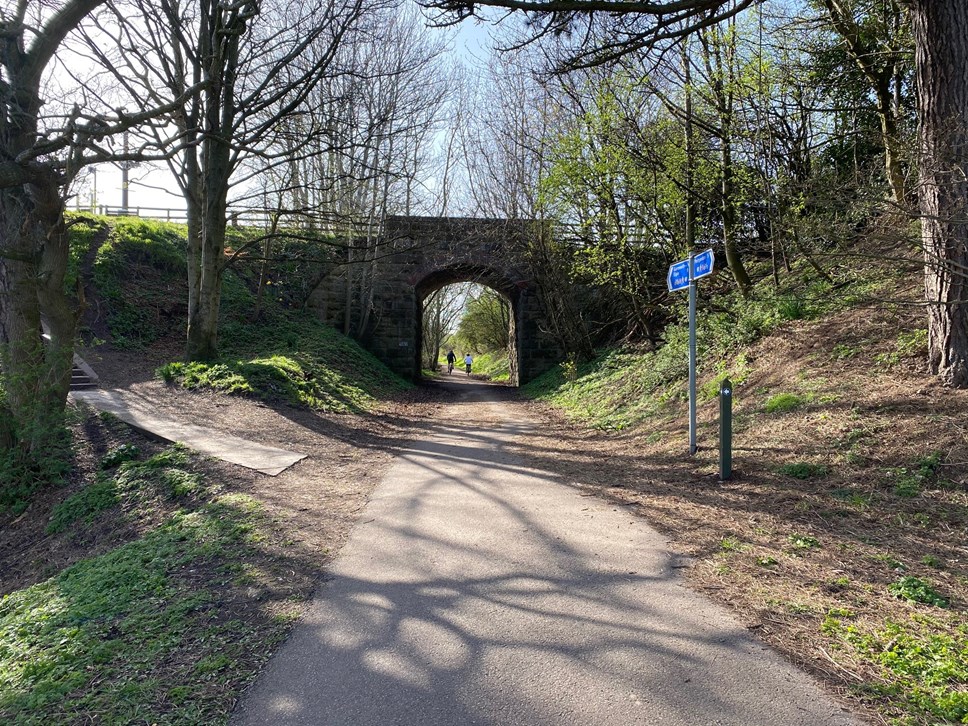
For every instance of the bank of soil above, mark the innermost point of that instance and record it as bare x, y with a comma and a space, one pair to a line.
315, 502
883, 450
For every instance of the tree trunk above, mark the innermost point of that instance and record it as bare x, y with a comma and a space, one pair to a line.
222, 43
893, 168
941, 56
36, 375
730, 221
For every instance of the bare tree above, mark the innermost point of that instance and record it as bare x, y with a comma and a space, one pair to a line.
44, 142
259, 64
374, 157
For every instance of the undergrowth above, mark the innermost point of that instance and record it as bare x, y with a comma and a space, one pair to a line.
922, 671
140, 272
136, 634
625, 385
295, 359
493, 366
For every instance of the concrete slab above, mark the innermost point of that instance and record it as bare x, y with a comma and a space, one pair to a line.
478, 590
138, 413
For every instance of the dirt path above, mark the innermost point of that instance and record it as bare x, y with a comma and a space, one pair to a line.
476, 589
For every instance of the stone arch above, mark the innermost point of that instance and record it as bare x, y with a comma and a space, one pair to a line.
420, 254
498, 280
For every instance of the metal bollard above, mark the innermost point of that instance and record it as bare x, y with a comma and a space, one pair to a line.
725, 430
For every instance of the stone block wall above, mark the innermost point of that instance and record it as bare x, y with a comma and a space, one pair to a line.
419, 255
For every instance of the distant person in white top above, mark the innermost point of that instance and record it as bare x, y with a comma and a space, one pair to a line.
467, 362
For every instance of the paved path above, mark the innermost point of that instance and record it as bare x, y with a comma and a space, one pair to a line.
476, 590
139, 412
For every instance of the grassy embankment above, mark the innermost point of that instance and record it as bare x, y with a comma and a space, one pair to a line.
283, 354
154, 630
174, 592
841, 539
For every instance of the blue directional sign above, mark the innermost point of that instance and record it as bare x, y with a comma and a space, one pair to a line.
702, 264
678, 277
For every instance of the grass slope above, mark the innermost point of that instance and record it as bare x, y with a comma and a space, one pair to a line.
146, 590
282, 354
157, 629
297, 360
841, 537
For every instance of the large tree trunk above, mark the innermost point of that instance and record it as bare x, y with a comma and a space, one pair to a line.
941, 54
36, 375
33, 260
216, 169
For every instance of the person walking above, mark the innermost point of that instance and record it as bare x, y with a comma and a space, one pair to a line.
451, 359
467, 363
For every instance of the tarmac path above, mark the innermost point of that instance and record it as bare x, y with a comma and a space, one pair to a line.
477, 590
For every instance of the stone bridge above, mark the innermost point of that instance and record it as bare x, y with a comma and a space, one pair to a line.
417, 256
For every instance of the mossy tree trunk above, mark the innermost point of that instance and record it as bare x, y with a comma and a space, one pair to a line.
35, 375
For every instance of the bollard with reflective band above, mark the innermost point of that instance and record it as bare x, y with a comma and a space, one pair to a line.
725, 430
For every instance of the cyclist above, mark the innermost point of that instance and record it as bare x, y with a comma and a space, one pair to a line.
451, 359
467, 362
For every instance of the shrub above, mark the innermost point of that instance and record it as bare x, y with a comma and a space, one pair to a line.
783, 402
914, 589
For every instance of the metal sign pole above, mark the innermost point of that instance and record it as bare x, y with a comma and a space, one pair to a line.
692, 354
681, 275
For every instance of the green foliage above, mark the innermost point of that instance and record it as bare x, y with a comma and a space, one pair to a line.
141, 273
924, 673
802, 542
295, 359
119, 455
82, 233
909, 481
292, 274
625, 386
165, 474
914, 589
493, 366
842, 351
86, 504
23, 470
106, 640
912, 344
737, 372
612, 392
732, 544
485, 324
802, 470
784, 402
569, 369
793, 309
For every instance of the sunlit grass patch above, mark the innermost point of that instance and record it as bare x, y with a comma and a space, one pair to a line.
132, 635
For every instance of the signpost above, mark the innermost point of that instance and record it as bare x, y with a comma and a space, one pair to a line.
681, 275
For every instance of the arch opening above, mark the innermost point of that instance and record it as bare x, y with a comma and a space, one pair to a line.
446, 297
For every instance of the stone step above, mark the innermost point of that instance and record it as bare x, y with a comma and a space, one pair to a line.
80, 381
